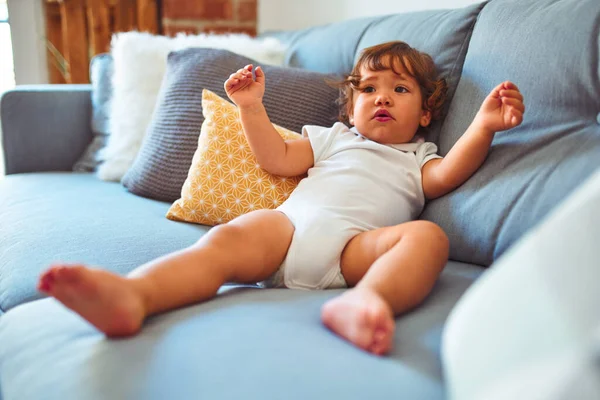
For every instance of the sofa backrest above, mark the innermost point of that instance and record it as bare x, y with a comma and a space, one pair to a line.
334, 48
550, 49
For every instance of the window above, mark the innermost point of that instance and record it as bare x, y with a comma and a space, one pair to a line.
7, 72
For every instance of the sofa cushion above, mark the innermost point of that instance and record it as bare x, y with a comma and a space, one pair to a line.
542, 340
225, 180
101, 70
140, 60
74, 217
293, 98
44, 127
312, 48
248, 343
443, 34
549, 48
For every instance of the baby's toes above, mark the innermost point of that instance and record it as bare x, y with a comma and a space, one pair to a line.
379, 343
46, 281
49, 277
383, 334
69, 274
382, 342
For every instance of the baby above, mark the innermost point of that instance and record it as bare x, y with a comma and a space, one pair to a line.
349, 223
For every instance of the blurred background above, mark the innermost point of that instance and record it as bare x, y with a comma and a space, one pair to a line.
7, 71
52, 41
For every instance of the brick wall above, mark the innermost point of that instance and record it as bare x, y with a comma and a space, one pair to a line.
219, 16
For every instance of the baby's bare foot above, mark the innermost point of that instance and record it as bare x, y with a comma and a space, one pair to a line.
104, 299
362, 317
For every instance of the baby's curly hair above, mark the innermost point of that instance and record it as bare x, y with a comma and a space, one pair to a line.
417, 64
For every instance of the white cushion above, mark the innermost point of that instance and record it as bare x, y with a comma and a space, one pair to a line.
140, 61
530, 324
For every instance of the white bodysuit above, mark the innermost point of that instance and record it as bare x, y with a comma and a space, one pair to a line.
355, 185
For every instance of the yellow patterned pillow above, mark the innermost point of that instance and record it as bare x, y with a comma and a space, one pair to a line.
225, 180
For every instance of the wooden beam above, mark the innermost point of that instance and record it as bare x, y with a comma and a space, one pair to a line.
77, 30
125, 16
54, 48
147, 16
75, 40
99, 30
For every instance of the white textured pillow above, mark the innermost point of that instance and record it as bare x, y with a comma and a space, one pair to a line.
529, 328
140, 61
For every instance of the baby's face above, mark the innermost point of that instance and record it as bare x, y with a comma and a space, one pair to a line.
387, 107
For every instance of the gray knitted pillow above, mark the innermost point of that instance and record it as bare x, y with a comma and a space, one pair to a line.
293, 98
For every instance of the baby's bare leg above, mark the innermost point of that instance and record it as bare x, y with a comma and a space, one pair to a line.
393, 269
248, 249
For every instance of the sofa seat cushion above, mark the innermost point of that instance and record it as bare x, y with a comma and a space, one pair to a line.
75, 217
247, 343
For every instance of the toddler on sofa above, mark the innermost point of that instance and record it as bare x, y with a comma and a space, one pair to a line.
349, 223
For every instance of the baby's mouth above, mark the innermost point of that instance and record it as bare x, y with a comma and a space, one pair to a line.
382, 115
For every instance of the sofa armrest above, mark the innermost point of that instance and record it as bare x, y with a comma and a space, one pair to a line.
45, 127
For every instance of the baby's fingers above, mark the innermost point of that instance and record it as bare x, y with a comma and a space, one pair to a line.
515, 103
241, 75
511, 93
260, 75
245, 72
231, 82
506, 85
516, 117
509, 85
235, 83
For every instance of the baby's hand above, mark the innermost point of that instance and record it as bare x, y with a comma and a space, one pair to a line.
243, 90
502, 109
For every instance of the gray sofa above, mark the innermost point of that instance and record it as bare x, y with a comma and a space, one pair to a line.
269, 343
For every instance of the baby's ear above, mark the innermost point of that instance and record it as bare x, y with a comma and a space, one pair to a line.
425, 118
350, 115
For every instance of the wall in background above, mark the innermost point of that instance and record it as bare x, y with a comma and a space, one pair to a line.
27, 32
7, 73
220, 16
29, 53
293, 14
193, 16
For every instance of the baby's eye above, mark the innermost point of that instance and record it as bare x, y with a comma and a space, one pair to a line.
368, 89
401, 89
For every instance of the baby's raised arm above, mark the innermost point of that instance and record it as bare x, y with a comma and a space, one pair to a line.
502, 109
275, 155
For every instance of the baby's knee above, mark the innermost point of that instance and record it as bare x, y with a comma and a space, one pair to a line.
225, 236
431, 233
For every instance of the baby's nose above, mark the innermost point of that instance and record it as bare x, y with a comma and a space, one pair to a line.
382, 100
